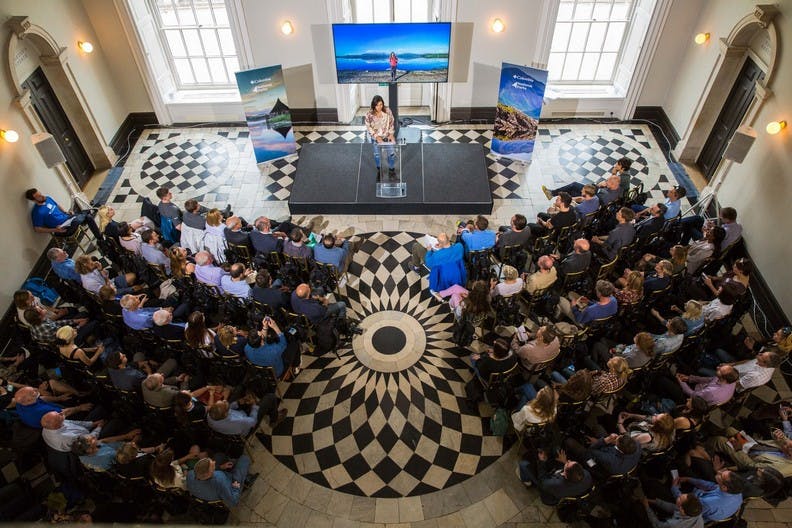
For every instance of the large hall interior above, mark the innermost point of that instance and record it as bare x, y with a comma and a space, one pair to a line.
596, 333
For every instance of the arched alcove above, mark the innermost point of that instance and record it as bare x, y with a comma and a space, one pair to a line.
54, 61
734, 50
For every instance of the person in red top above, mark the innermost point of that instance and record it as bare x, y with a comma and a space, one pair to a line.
394, 61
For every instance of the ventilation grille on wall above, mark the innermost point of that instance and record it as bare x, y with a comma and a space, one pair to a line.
578, 114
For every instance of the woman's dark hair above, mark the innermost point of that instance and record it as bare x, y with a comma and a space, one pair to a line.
770, 480
181, 401
271, 337
744, 265
477, 301
717, 235
698, 407
500, 348
577, 388
161, 469
377, 99
124, 229
196, 330
254, 339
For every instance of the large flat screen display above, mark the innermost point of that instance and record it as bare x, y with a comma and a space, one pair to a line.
405, 53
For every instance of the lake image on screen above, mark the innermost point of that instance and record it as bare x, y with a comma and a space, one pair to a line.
362, 52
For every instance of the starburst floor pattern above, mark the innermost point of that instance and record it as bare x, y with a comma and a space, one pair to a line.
389, 418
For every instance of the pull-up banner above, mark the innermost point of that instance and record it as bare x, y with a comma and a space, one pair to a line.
517, 115
267, 112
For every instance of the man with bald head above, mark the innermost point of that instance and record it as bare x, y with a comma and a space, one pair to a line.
579, 259
544, 277
315, 307
209, 482
30, 407
206, 271
60, 433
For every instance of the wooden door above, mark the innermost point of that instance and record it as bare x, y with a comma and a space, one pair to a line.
57, 123
730, 117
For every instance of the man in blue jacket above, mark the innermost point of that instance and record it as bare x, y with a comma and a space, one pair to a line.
226, 484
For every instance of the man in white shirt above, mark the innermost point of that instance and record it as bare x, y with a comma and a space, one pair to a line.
60, 433
757, 371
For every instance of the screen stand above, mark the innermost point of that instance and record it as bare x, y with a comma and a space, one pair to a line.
390, 183
393, 104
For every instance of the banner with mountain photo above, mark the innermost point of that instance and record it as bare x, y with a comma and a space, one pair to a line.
517, 115
267, 112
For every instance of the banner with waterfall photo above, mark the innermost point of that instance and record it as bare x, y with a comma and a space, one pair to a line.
263, 94
520, 99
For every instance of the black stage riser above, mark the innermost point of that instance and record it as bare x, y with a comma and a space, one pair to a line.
441, 178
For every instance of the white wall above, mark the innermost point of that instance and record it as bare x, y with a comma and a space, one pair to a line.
20, 165
760, 187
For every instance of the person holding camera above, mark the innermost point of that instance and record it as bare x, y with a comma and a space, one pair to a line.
269, 348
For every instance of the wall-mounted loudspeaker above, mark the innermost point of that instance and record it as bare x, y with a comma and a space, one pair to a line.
740, 144
48, 149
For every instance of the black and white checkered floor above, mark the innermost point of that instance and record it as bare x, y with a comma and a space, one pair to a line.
387, 418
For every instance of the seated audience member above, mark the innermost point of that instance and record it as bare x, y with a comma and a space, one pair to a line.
181, 266
585, 311
588, 202
159, 394
198, 336
632, 290
638, 354
472, 305
720, 499
128, 378
476, 236
694, 227
205, 270
111, 228
167, 208
135, 315
315, 307
539, 410
188, 409
611, 380
49, 217
266, 293
152, 250
133, 462
670, 341
93, 276
672, 204
269, 348
619, 173
228, 419
210, 484
774, 453
660, 279
654, 434
230, 342
495, 360
708, 247
236, 283
556, 479
295, 245
168, 472
721, 306
194, 215
25, 300
564, 217
752, 372
164, 327
541, 346
62, 265
108, 301
263, 239
579, 259
739, 278
100, 455
684, 513
714, 390
214, 235
235, 234
762, 482
647, 227
45, 331
614, 454
31, 406
64, 340
446, 263
544, 277
514, 235
60, 433
691, 316
511, 284
621, 235
128, 239
332, 251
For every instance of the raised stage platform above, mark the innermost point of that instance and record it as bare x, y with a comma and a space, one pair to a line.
442, 178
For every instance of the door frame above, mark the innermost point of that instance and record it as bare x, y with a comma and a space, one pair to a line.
55, 64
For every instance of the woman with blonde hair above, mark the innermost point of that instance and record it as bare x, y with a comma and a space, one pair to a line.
540, 410
632, 292
692, 315
613, 379
24, 300
512, 283
111, 228
654, 433
638, 354
64, 340
214, 235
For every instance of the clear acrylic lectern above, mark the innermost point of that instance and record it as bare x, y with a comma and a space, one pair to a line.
390, 183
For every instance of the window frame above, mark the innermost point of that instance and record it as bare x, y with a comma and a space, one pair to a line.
628, 21
161, 29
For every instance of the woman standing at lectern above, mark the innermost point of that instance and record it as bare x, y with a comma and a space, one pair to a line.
380, 125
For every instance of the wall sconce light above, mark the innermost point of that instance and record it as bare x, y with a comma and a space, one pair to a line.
287, 28
774, 127
701, 38
85, 46
9, 135
498, 26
